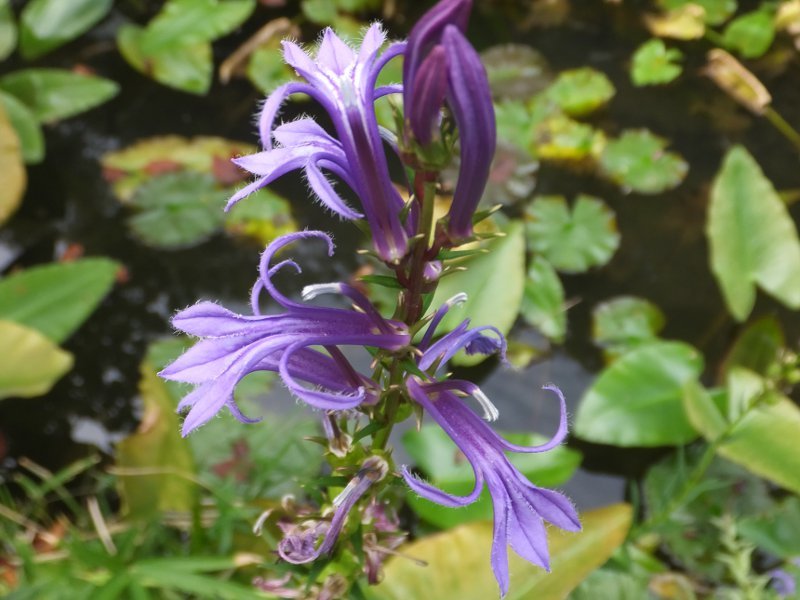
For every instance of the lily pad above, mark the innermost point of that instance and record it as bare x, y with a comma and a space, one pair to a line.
655, 64
264, 217
581, 91
56, 298
750, 34
27, 127
8, 30
637, 161
561, 139
637, 400
624, 322
572, 241
686, 22
55, 94
543, 300
177, 210
48, 24
715, 12
12, 170
516, 71
752, 237
35, 364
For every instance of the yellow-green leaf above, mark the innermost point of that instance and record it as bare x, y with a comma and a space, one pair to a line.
12, 170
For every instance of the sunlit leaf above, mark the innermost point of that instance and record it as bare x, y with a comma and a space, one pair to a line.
12, 170
459, 567
581, 91
574, 240
687, 22
47, 24
56, 298
54, 94
561, 139
623, 322
156, 462
493, 283
264, 217
757, 347
637, 400
543, 300
655, 64
764, 440
8, 30
750, 34
27, 127
516, 71
177, 210
637, 161
715, 12
33, 366
752, 237
736, 81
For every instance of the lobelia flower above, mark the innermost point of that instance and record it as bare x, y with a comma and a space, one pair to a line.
343, 82
234, 345
440, 63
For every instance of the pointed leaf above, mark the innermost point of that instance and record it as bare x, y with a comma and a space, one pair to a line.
27, 127
8, 30
757, 348
33, 366
12, 170
752, 237
47, 24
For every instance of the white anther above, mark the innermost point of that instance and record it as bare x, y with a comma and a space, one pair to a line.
459, 298
312, 291
490, 412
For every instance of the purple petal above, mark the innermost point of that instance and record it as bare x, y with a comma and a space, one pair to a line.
334, 54
301, 62
557, 439
430, 84
371, 44
273, 105
327, 194
434, 494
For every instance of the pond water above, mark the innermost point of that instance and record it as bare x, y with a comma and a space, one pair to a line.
663, 255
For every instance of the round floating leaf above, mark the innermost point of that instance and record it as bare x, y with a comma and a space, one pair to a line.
56, 298
458, 563
637, 161
33, 366
750, 34
752, 237
516, 71
655, 64
715, 12
581, 91
27, 127
637, 400
543, 300
683, 23
574, 241
54, 94
493, 283
513, 123
8, 30
264, 217
625, 322
559, 138
12, 171
47, 24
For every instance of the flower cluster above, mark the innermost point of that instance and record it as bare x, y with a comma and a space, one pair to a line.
305, 343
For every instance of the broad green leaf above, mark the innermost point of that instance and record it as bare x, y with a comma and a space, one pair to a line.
514, 123
47, 24
156, 463
320, 12
637, 161
605, 583
624, 322
637, 400
493, 283
561, 139
444, 466
756, 348
33, 366
572, 241
8, 30
183, 23
750, 34
56, 298
777, 531
266, 68
543, 300
12, 169
715, 11
764, 440
516, 71
581, 91
55, 94
177, 210
458, 564
655, 64
752, 237
27, 127
264, 216
188, 67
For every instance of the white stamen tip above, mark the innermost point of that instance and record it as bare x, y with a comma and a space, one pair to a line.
490, 412
459, 298
312, 291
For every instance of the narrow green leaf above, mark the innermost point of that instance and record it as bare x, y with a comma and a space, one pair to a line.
655, 64
8, 30
33, 366
56, 298
27, 127
637, 161
637, 400
543, 300
55, 94
752, 237
47, 24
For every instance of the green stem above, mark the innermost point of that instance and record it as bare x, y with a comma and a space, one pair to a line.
789, 132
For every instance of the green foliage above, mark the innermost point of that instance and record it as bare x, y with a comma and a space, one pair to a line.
543, 300
579, 92
574, 240
752, 238
47, 24
750, 34
655, 64
757, 348
8, 30
267, 69
27, 128
622, 323
12, 169
637, 161
715, 11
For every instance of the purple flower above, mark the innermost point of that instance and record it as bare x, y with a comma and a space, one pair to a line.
519, 506
298, 545
343, 82
782, 583
234, 345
